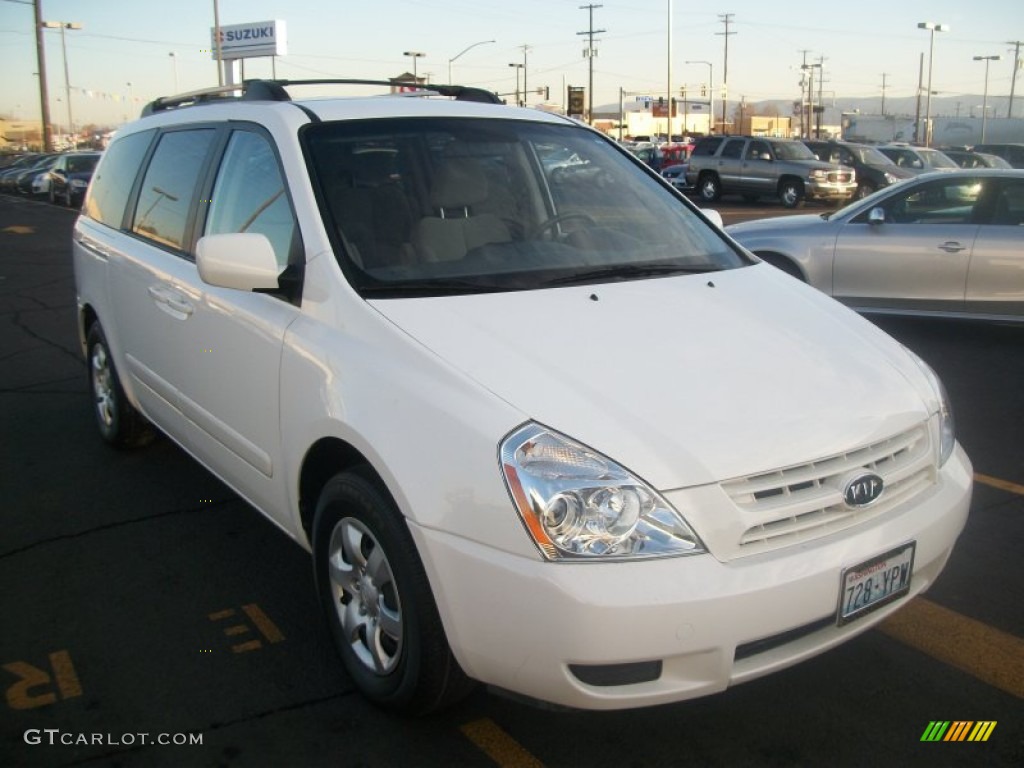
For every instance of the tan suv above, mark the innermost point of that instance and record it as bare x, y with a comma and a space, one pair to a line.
760, 167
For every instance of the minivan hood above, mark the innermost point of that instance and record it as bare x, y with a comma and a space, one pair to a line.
684, 380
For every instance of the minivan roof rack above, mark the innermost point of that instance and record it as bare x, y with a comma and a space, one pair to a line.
274, 90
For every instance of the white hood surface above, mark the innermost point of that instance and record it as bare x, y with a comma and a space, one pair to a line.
684, 380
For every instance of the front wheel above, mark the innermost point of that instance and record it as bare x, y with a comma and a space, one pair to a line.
791, 194
710, 187
377, 599
864, 189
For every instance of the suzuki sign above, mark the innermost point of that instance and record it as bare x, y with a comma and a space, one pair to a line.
246, 41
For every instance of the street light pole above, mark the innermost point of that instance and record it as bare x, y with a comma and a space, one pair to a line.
174, 60
932, 29
459, 54
62, 25
711, 94
984, 102
517, 67
414, 55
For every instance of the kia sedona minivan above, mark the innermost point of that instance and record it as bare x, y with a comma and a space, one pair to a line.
541, 425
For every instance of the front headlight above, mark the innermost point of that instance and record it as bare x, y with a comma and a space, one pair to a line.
947, 425
891, 179
79, 184
578, 504
819, 174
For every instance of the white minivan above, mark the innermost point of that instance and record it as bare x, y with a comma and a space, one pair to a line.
540, 423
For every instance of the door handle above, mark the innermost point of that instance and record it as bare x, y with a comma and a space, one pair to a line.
180, 305
952, 246
172, 302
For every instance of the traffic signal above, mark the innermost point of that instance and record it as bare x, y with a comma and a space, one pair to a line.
576, 100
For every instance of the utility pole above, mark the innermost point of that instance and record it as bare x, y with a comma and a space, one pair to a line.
804, 130
589, 54
525, 89
726, 20
820, 111
884, 74
44, 94
1013, 78
668, 87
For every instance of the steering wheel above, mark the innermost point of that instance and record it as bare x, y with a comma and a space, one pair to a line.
544, 226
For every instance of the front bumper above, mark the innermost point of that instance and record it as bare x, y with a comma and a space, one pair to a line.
632, 634
825, 190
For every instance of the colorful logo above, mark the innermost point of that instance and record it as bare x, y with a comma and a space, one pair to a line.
958, 730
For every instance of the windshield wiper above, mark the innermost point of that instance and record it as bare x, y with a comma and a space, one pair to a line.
628, 272
432, 288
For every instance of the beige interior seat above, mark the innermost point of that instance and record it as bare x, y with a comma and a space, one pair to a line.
460, 185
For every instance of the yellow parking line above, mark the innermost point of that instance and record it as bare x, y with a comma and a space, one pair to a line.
991, 655
499, 746
1003, 485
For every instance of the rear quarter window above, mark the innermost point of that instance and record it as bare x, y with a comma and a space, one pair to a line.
112, 184
706, 147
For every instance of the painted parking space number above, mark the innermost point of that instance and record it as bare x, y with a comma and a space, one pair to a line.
39, 687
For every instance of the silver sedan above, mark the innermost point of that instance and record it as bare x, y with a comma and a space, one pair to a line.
939, 244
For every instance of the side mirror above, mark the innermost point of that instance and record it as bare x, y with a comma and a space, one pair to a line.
715, 217
876, 216
60, 171
241, 260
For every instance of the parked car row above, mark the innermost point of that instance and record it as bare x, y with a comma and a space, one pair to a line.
756, 167
62, 177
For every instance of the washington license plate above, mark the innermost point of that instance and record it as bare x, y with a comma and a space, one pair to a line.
874, 583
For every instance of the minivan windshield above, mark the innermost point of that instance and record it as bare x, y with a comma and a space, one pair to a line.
436, 206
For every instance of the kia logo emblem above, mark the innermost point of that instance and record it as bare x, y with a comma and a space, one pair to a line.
863, 489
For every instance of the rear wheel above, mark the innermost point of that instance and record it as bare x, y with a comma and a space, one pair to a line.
791, 193
709, 187
377, 600
119, 423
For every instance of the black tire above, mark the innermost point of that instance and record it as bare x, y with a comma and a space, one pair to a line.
709, 187
791, 193
377, 600
52, 196
864, 189
119, 423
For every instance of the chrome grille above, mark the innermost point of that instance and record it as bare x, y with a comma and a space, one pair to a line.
805, 502
841, 177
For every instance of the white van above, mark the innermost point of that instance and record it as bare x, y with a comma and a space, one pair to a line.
540, 424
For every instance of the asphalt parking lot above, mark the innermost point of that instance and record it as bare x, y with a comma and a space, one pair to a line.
152, 618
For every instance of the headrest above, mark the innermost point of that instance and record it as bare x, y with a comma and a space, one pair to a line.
460, 183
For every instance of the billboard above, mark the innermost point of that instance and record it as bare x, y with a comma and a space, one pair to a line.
246, 41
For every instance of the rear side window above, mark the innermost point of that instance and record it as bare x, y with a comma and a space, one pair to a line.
706, 147
165, 199
111, 187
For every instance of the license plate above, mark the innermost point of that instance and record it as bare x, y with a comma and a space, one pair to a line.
874, 583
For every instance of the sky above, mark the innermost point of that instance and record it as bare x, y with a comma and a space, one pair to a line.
120, 59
